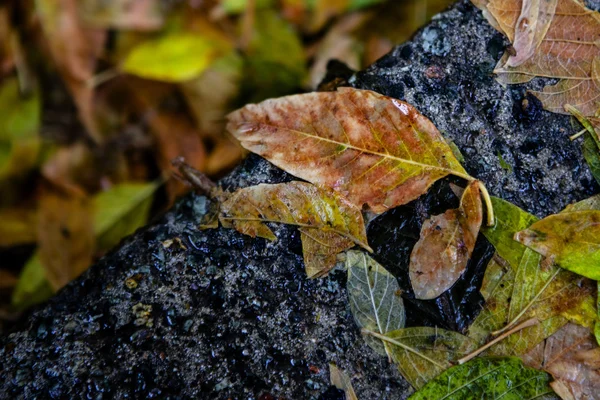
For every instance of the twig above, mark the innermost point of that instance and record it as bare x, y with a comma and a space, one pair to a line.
523, 325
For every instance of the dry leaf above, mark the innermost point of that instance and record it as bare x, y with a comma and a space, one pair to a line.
65, 237
567, 51
328, 224
124, 14
447, 241
75, 49
341, 380
373, 149
571, 356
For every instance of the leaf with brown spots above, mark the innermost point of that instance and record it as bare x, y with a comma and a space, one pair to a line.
374, 150
572, 356
447, 241
328, 224
552, 41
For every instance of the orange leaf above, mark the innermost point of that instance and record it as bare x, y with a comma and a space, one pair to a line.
373, 149
447, 241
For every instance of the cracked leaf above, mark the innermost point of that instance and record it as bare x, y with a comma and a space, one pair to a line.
373, 149
375, 298
447, 241
568, 50
572, 356
328, 224
487, 378
427, 352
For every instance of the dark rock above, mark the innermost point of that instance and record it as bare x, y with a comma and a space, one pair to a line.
229, 316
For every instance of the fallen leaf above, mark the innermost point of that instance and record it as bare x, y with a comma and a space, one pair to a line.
224, 156
447, 241
525, 290
144, 15
591, 141
327, 223
487, 378
567, 50
174, 57
373, 149
375, 298
341, 380
571, 356
422, 353
571, 239
75, 49
18, 226
65, 237
32, 287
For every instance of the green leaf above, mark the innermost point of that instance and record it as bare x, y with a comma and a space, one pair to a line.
32, 287
488, 378
571, 239
275, 59
374, 297
591, 153
174, 57
422, 353
509, 219
239, 6
121, 210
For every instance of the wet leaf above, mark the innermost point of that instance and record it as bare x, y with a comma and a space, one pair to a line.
341, 380
572, 356
591, 153
174, 57
571, 239
487, 378
526, 289
426, 352
373, 149
447, 241
375, 298
124, 14
65, 237
75, 48
567, 51
328, 224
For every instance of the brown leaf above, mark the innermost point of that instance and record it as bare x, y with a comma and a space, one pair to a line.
145, 15
65, 236
571, 356
447, 241
75, 49
373, 149
568, 50
18, 226
328, 224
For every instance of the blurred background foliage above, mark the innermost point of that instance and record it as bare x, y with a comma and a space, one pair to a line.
98, 96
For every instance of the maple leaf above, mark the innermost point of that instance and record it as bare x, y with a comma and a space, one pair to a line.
373, 149
572, 357
552, 41
328, 224
447, 241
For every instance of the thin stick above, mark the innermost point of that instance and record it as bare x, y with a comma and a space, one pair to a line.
526, 308
522, 325
102, 77
405, 347
575, 136
491, 220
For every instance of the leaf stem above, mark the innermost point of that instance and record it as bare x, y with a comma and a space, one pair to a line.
491, 220
575, 136
399, 344
523, 325
526, 308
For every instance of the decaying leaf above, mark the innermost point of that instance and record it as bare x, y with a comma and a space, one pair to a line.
329, 225
487, 378
447, 241
568, 49
124, 14
341, 380
375, 298
526, 290
75, 49
65, 237
571, 239
373, 149
422, 353
572, 356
